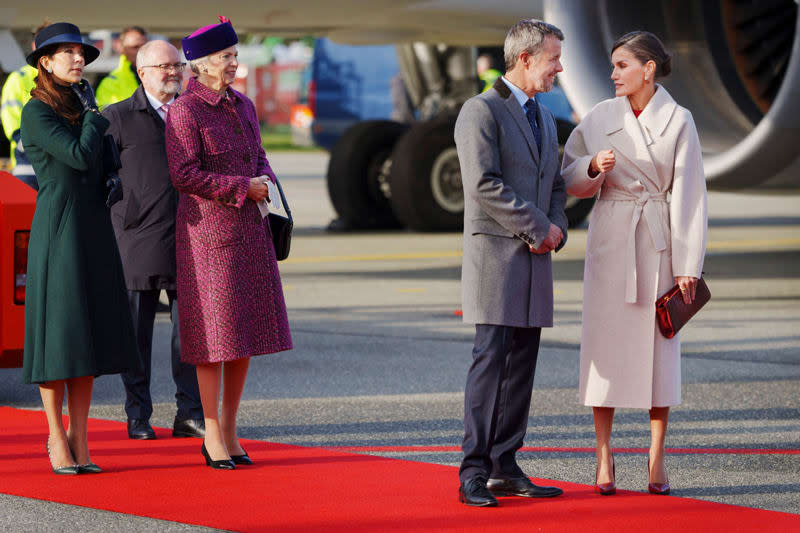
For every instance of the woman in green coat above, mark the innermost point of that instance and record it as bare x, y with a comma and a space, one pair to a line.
77, 319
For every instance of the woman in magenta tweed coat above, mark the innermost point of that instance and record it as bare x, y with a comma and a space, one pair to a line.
230, 299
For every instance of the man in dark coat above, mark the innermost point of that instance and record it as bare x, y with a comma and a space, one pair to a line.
144, 223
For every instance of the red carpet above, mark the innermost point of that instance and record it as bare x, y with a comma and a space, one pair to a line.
293, 488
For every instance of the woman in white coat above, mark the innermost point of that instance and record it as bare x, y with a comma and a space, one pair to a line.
641, 153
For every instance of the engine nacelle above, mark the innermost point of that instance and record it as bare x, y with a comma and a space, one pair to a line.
735, 66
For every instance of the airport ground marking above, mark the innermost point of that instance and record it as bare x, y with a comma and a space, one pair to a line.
754, 244
562, 449
374, 257
783, 244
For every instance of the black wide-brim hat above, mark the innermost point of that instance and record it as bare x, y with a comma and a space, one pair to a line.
53, 35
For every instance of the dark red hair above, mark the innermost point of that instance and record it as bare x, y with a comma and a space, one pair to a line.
59, 97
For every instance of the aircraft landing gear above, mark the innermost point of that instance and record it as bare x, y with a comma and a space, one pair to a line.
357, 176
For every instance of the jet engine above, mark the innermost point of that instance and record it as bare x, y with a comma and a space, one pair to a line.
735, 66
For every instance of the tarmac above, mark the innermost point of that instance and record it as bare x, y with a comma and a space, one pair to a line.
380, 360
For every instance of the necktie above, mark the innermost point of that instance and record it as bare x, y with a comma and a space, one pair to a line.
530, 112
165, 109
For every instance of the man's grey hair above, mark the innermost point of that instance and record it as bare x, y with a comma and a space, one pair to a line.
527, 35
143, 55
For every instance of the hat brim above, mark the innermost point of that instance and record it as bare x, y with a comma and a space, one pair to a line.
90, 53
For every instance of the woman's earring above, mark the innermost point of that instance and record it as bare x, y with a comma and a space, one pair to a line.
646, 77
49, 70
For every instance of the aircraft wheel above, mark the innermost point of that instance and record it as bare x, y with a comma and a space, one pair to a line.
425, 180
358, 175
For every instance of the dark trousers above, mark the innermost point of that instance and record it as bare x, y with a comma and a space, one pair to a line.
138, 403
497, 400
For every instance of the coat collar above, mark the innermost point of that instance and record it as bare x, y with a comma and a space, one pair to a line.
139, 100
515, 109
632, 136
502, 88
655, 116
658, 112
207, 95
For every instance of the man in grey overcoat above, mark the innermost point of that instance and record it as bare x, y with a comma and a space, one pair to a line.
513, 218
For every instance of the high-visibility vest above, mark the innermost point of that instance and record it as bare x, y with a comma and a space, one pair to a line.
488, 77
118, 85
16, 93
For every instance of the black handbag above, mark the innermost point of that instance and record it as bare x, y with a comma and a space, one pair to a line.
281, 228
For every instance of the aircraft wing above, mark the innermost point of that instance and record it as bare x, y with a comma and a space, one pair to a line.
454, 22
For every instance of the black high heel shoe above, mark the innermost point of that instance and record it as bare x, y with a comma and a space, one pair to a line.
89, 468
243, 459
223, 464
61, 470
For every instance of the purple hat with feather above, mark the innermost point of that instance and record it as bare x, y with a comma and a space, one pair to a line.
209, 39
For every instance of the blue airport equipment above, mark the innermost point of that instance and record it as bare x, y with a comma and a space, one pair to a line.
352, 84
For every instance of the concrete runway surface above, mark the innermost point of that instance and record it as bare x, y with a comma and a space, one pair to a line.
380, 359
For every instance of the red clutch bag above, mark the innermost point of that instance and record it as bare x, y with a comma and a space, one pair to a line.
672, 314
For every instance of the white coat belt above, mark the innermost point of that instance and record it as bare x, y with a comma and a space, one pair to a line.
644, 207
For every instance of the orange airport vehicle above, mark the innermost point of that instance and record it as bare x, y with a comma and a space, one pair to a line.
17, 202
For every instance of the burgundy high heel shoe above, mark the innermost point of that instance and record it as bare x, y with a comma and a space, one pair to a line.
661, 489
606, 489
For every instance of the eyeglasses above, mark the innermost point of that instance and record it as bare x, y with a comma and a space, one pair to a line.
166, 67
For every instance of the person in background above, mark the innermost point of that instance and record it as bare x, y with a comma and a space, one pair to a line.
123, 80
16, 93
513, 219
556, 101
230, 298
486, 71
144, 222
634, 150
77, 320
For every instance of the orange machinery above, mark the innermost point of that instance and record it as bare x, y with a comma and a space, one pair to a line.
17, 202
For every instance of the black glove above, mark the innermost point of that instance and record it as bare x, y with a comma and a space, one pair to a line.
111, 159
85, 94
114, 186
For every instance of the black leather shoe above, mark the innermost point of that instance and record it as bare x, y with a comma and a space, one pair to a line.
473, 492
140, 429
521, 486
190, 427
222, 464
